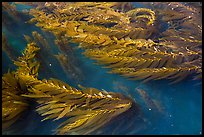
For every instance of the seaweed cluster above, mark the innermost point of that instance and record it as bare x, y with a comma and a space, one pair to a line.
85, 109
128, 41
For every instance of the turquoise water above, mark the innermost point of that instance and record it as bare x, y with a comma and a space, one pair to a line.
181, 103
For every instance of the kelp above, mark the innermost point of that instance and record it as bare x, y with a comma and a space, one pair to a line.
8, 49
45, 50
150, 16
180, 17
60, 16
122, 39
13, 104
27, 64
81, 107
147, 74
85, 109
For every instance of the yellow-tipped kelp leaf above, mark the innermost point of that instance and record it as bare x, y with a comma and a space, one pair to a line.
64, 112
56, 110
37, 96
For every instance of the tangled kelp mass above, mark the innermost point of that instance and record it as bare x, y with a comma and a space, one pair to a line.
87, 109
129, 41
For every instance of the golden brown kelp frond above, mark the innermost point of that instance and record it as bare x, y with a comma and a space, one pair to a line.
86, 110
83, 27
12, 103
45, 55
147, 74
8, 49
132, 56
137, 14
108, 17
89, 41
27, 64
79, 27
138, 60
98, 13
88, 12
118, 61
58, 21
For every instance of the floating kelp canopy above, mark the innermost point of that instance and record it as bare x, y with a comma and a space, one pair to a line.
127, 40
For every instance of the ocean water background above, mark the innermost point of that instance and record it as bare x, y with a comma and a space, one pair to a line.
181, 102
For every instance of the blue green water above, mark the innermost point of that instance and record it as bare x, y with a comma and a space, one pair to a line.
182, 102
